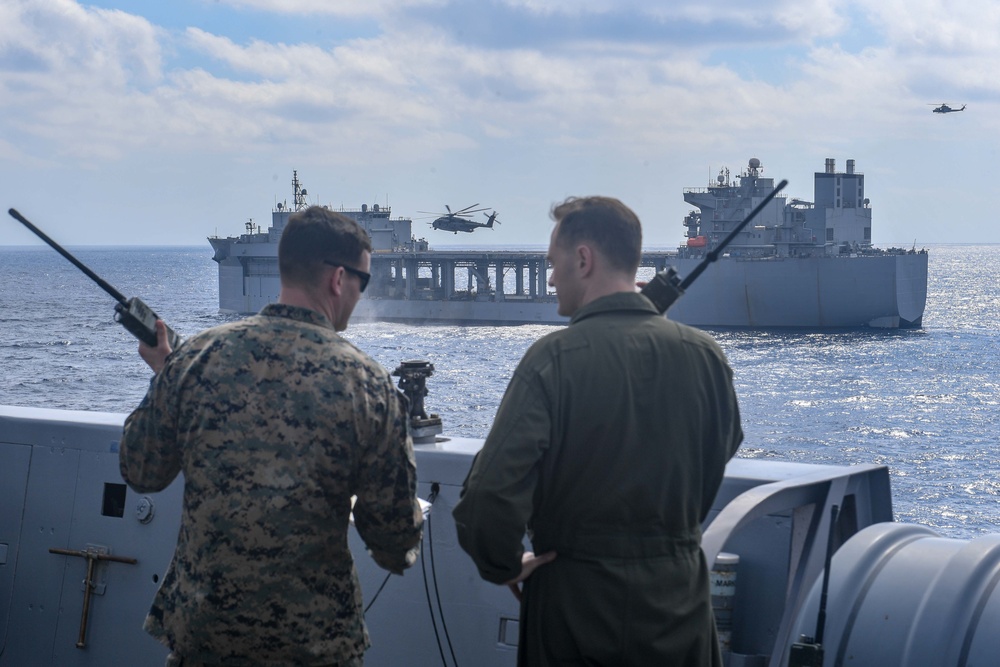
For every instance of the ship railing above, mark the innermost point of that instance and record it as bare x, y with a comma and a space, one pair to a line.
262, 237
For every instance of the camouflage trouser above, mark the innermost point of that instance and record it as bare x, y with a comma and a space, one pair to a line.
174, 660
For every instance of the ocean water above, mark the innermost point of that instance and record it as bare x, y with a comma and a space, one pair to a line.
924, 402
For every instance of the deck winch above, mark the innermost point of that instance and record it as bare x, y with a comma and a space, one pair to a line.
900, 594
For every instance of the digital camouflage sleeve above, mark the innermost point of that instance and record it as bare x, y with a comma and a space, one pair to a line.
275, 422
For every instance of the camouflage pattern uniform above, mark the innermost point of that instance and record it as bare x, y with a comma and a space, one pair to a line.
275, 421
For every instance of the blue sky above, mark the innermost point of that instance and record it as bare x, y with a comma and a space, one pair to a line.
141, 122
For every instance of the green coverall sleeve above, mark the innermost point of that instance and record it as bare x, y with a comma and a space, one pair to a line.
497, 498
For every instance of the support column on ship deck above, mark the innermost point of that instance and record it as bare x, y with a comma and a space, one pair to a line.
435, 275
543, 278
448, 278
519, 278
398, 284
498, 278
390, 277
411, 276
482, 273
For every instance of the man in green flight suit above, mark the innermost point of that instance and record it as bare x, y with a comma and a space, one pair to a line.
608, 447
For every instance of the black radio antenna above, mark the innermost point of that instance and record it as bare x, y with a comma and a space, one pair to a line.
133, 314
104, 284
666, 286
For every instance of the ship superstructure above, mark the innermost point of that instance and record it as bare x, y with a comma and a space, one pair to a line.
248, 264
409, 282
838, 221
798, 264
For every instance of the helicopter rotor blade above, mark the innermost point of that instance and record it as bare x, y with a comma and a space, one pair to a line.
469, 209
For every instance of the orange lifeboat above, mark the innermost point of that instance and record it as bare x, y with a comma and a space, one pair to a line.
698, 242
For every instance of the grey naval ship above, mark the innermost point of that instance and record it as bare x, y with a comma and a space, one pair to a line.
806, 264
809, 567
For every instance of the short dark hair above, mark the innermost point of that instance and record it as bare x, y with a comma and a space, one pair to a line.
313, 236
604, 221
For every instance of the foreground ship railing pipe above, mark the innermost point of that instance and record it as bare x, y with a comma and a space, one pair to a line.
902, 595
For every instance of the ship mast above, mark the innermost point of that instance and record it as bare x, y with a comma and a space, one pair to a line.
300, 192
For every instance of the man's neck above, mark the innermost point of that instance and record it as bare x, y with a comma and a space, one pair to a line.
296, 296
600, 288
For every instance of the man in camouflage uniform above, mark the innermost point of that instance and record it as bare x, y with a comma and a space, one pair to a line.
276, 422
609, 446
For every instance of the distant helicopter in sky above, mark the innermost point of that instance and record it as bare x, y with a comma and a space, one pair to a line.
944, 108
460, 220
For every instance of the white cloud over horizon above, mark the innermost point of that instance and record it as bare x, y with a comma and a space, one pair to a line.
109, 109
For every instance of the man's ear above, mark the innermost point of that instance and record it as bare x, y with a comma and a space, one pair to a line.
336, 281
584, 259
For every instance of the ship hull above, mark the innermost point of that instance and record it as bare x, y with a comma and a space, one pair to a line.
886, 291
879, 291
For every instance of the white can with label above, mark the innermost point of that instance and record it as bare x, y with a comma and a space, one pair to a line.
723, 589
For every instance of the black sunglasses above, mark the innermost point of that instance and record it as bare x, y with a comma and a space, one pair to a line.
362, 276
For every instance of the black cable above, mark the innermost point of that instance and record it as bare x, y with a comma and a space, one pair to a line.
384, 582
437, 593
430, 607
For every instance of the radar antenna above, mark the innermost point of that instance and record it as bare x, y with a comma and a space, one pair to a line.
300, 192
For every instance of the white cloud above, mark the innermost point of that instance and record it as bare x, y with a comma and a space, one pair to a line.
71, 76
435, 105
421, 87
334, 7
938, 27
107, 47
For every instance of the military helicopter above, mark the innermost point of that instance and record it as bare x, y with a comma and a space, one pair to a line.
459, 221
944, 108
